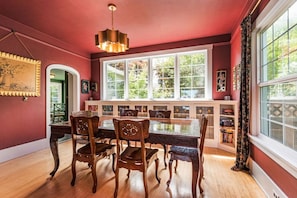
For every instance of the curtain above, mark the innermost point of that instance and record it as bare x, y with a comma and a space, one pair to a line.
242, 149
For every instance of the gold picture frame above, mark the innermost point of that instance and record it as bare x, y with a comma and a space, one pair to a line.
19, 76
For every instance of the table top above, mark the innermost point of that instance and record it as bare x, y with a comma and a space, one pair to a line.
174, 131
184, 127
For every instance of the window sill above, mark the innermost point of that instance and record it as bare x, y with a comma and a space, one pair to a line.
284, 156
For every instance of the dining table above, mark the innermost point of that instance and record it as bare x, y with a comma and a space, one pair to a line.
172, 131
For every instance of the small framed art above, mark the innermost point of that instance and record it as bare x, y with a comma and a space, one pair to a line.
221, 80
85, 86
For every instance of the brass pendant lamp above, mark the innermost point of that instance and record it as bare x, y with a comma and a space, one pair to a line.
112, 41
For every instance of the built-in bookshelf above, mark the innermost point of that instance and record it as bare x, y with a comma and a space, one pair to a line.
228, 125
222, 115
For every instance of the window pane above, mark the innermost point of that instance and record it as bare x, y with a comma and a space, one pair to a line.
192, 75
291, 114
280, 25
293, 63
281, 46
276, 112
293, 15
291, 138
293, 39
115, 80
163, 77
267, 37
138, 79
276, 132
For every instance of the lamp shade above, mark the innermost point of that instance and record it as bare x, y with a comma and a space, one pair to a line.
112, 41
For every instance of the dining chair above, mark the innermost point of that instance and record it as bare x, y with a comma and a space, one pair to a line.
190, 155
161, 114
91, 152
134, 158
128, 112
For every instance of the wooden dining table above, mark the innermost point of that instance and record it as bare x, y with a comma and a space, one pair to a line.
179, 132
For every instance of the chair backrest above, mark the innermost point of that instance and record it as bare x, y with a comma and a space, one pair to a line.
203, 128
159, 113
84, 127
128, 129
129, 112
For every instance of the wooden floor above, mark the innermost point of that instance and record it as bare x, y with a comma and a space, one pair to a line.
28, 176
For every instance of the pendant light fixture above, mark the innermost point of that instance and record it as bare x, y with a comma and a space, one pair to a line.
112, 41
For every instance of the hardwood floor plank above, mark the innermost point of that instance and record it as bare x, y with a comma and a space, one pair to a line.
28, 177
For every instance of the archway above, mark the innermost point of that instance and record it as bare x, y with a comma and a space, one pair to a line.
74, 93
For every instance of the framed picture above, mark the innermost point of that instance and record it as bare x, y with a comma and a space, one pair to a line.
19, 76
221, 80
85, 86
94, 86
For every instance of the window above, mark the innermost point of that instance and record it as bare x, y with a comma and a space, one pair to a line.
173, 74
278, 77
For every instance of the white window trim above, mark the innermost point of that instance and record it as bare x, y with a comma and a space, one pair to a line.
209, 49
284, 156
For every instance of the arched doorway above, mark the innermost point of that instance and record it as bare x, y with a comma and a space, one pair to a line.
73, 91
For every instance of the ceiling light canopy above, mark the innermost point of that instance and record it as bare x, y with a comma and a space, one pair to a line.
112, 41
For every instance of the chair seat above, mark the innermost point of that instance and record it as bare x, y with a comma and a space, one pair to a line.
181, 150
134, 154
100, 148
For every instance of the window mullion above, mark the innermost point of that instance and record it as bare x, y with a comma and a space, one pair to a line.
177, 78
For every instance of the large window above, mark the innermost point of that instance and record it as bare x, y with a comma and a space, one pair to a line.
278, 77
182, 74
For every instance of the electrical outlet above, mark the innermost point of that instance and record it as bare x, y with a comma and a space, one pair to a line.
275, 195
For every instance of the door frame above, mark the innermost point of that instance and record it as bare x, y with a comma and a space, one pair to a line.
73, 89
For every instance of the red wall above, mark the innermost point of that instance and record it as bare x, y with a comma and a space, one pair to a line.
221, 61
20, 121
235, 58
221, 58
285, 181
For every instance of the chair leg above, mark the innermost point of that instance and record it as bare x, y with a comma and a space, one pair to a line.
73, 172
176, 163
165, 154
145, 183
156, 171
195, 170
201, 175
128, 174
170, 172
94, 177
113, 160
116, 182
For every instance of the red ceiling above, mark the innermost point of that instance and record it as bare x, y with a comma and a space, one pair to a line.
147, 22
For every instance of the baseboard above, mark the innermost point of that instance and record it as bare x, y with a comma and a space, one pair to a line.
264, 181
24, 149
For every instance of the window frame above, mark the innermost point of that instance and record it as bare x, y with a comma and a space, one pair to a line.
281, 154
150, 55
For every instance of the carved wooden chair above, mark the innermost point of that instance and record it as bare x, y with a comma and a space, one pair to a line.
128, 112
190, 155
134, 158
92, 151
161, 114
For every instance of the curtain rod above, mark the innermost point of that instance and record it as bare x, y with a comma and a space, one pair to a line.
255, 7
